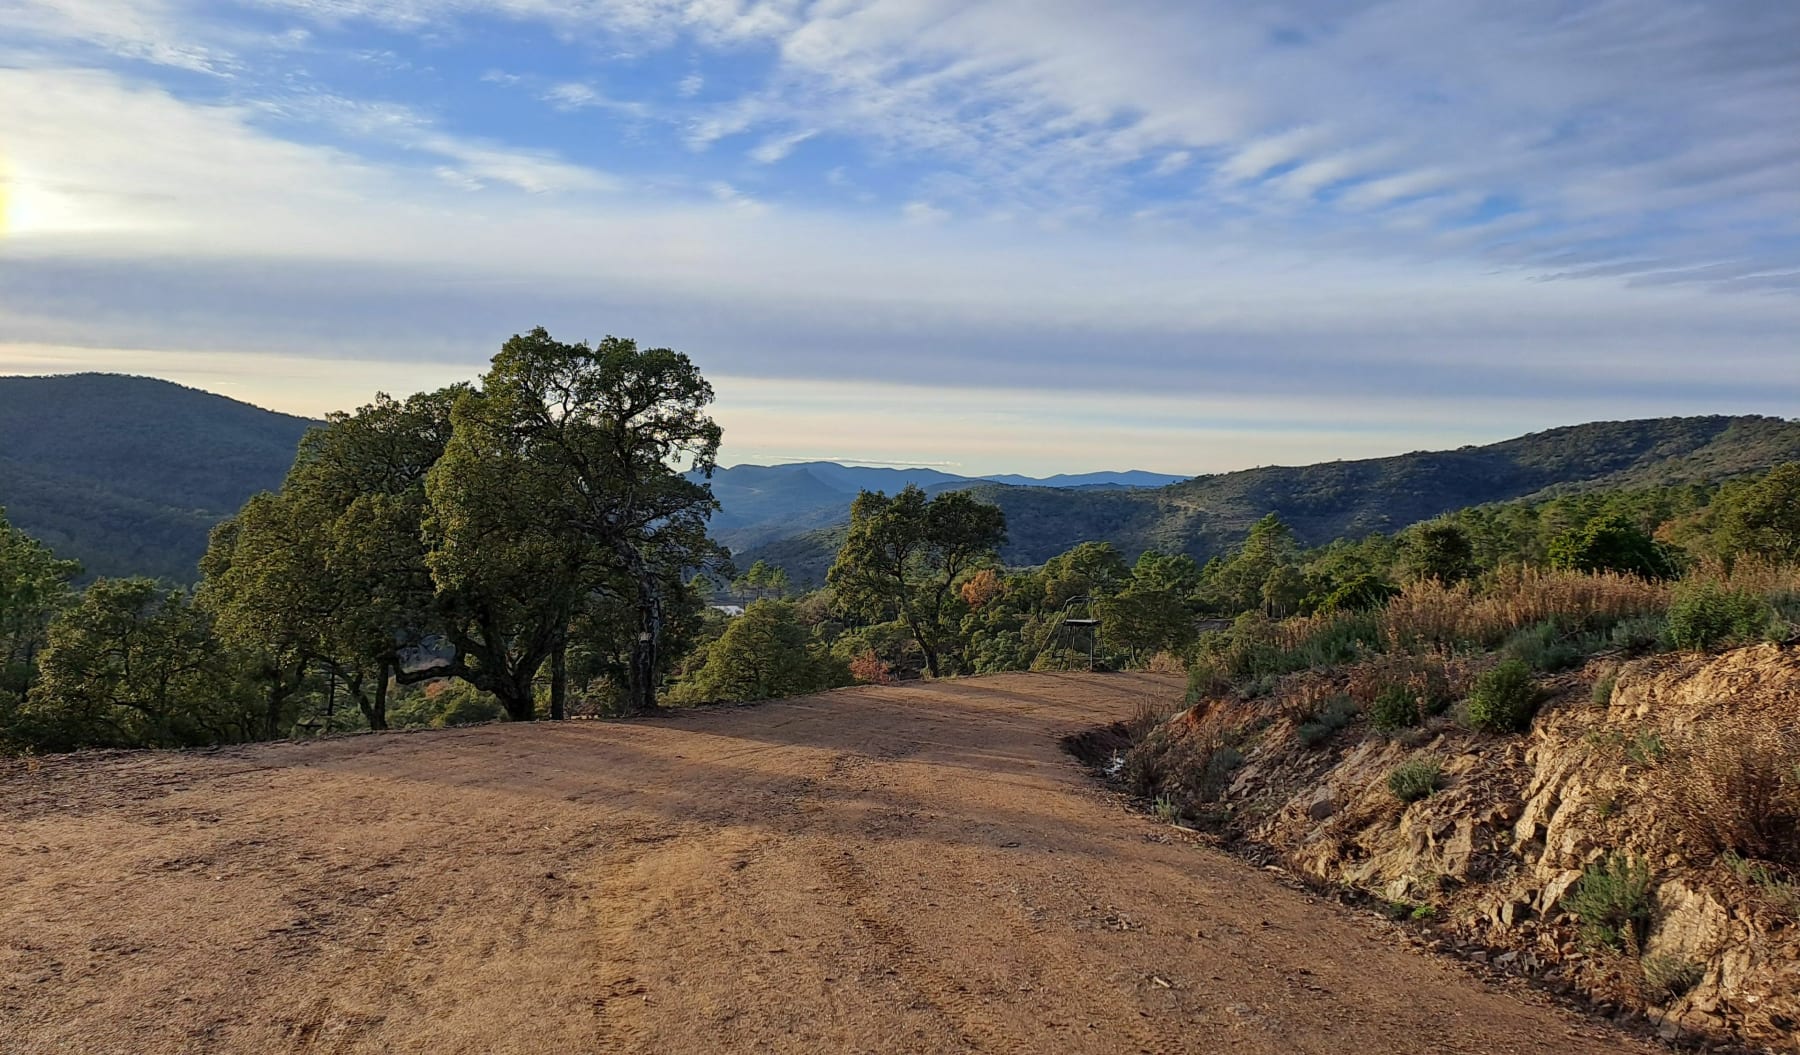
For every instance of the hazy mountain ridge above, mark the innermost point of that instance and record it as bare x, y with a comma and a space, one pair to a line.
762, 503
1206, 515
129, 474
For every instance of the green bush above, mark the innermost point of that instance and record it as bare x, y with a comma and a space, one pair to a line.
1396, 708
1503, 699
442, 704
1639, 634
1545, 647
1413, 780
1612, 900
1705, 616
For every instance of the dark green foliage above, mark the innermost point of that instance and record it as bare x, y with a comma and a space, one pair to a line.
764, 654
1364, 591
1415, 779
1611, 543
445, 703
1705, 615
133, 664
1642, 634
903, 557
34, 587
1397, 707
1503, 699
1612, 900
1251, 655
128, 474
1440, 551
1762, 518
1671, 977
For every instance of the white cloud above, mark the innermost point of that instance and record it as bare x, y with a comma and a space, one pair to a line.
1370, 210
145, 30
1172, 163
775, 148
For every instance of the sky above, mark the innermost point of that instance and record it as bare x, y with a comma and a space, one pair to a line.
988, 235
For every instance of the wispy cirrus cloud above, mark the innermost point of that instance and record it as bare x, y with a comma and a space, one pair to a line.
1444, 197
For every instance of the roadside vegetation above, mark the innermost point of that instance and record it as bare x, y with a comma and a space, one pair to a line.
527, 548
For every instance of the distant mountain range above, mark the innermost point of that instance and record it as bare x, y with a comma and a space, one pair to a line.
1207, 515
128, 474
762, 503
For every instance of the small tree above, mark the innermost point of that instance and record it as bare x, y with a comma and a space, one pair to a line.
904, 555
1439, 550
763, 654
1762, 518
1610, 543
34, 587
134, 665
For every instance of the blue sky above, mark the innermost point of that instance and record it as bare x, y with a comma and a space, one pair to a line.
996, 235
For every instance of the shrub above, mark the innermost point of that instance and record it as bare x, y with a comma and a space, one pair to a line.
1429, 614
1671, 977
1413, 780
1777, 890
1166, 663
869, 669
1640, 634
1736, 792
1611, 542
1256, 651
1503, 699
1394, 709
1612, 900
444, 703
1705, 615
1337, 713
1543, 646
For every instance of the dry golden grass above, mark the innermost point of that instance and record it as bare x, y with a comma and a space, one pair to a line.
1735, 790
1166, 663
1430, 614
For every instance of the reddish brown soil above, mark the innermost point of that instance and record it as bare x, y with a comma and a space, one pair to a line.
873, 870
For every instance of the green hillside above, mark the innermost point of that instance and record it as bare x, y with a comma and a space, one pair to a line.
128, 474
1208, 514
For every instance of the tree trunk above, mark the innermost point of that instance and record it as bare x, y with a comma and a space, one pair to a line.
641, 692
378, 711
931, 656
513, 689
559, 681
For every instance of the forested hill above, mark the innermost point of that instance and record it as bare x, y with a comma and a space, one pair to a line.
761, 503
1208, 514
129, 474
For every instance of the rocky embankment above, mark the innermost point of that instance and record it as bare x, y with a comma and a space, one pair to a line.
1638, 846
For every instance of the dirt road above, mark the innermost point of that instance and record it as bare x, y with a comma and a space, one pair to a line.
912, 869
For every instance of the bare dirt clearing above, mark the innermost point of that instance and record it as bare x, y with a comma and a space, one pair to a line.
917, 868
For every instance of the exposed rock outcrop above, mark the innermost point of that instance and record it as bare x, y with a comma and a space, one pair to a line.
1650, 774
